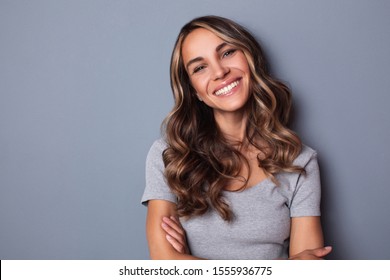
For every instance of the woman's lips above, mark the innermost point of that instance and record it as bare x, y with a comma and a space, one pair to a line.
226, 89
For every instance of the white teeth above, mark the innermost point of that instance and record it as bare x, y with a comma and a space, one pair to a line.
227, 88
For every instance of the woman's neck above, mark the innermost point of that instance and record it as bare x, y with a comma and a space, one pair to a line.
232, 125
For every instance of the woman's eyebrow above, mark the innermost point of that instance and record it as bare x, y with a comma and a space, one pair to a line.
196, 59
220, 46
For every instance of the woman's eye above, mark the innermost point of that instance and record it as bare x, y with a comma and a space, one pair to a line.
229, 52
198, 68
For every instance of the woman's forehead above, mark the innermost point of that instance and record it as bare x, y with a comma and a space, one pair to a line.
200, 41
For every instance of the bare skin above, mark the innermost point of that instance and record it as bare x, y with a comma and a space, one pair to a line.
159, 240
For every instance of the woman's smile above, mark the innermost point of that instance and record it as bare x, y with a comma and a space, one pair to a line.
227, 90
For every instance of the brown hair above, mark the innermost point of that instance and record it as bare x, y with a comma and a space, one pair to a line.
199, 161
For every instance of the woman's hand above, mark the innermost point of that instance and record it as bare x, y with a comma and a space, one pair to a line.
176, 235
314, 254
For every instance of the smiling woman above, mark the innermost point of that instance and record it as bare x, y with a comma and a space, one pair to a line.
229, 180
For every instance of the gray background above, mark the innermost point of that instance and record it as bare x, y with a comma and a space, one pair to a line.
84, 86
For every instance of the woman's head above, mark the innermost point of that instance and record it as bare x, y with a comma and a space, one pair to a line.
227, 31
218, 72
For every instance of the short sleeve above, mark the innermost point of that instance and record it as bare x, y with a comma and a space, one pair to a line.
156, 186
307, 194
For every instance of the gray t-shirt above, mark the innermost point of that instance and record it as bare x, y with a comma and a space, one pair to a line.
261, 225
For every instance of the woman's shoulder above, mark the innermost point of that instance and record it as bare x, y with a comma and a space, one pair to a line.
159, 144
157, 148
307, 159
306, 154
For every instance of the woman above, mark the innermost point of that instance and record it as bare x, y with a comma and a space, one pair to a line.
229, 180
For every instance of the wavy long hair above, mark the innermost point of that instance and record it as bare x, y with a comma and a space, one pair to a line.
199, 161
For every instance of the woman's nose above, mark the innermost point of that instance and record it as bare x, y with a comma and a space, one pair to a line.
220, 71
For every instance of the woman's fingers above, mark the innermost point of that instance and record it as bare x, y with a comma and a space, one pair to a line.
175, 234
174, 223
173, 229
175, 244
322, 252
313, 254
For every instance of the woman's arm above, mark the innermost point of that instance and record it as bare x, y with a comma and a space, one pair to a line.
159, 246
306, 239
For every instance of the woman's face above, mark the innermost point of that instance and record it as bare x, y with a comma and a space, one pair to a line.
218, 71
